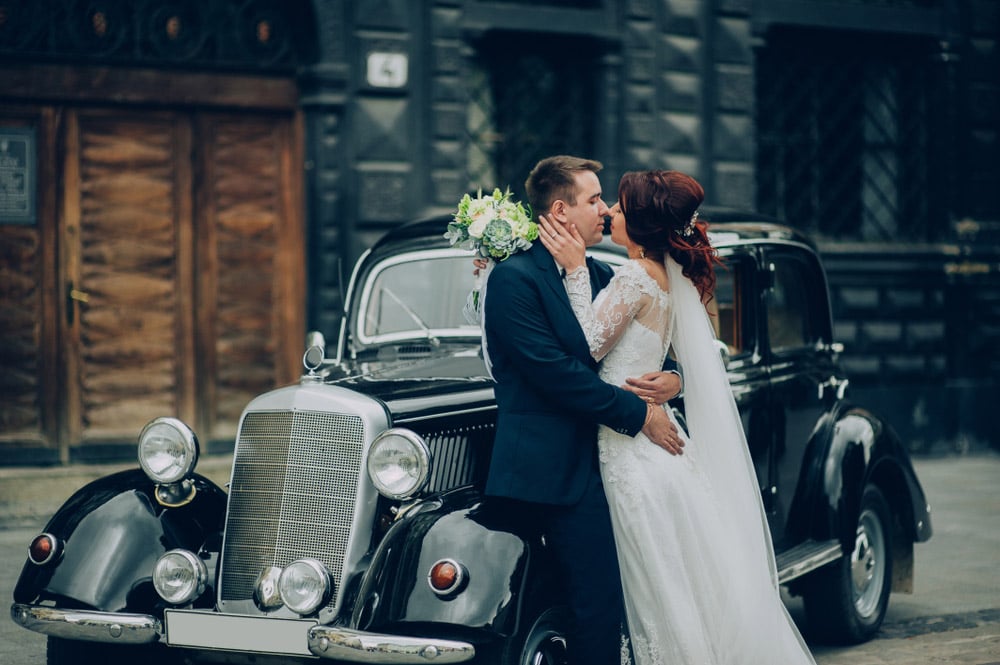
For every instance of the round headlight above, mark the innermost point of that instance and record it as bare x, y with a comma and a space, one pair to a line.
304, 585
168, 450
179, 576
398, 463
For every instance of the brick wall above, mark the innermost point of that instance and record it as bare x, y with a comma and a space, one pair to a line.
921, 331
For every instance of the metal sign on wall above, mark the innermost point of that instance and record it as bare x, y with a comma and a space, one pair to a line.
17, 175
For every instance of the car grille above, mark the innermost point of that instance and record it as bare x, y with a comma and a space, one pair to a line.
292, 495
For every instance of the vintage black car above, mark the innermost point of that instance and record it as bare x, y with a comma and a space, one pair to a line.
353, 527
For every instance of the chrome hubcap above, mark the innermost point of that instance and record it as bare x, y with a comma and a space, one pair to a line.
868, 564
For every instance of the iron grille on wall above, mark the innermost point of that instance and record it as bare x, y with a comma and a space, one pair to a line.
525, 103
845, 133
215, 34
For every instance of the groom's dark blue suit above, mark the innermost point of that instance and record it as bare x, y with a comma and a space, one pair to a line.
550, 401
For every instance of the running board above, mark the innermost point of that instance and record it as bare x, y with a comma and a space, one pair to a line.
805, 558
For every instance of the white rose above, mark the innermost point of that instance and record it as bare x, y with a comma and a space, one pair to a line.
480, 218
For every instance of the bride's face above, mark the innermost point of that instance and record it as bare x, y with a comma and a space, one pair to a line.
619, 235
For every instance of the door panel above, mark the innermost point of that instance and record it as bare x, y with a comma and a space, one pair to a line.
129, 332
797, 320
28, 303
252, 300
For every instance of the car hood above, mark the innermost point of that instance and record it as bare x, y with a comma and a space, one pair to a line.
393, 376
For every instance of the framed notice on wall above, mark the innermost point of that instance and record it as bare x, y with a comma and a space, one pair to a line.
18, 171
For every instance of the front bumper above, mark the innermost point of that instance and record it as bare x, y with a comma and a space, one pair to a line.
111, 627
211, 630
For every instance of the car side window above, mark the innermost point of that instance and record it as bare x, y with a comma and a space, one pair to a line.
790, 320
728, 313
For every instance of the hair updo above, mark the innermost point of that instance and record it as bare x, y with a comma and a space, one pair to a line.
660, 216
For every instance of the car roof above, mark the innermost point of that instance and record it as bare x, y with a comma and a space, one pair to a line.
726, 226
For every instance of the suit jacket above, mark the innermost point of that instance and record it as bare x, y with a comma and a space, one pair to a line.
550, 399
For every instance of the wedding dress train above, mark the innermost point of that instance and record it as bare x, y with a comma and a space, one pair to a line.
696, 558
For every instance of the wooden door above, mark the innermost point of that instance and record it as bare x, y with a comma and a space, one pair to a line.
176, 287
29, 305
127, 265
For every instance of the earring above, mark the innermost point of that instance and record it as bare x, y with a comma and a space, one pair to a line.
642, 252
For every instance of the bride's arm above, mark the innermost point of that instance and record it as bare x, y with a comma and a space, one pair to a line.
605, 319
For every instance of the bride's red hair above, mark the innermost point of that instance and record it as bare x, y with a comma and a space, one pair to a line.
659, 208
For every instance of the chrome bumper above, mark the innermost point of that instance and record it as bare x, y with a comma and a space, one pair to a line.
112, 627
360, 647
210, 630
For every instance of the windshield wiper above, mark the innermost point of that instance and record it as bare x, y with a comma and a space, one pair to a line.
413, 315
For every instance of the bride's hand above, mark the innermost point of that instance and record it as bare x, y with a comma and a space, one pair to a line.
564, 243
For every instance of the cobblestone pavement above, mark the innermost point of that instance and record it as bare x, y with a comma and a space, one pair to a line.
971, 638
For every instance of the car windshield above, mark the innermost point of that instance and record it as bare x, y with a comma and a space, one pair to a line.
417, 295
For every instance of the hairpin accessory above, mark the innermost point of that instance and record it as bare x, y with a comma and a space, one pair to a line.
689, 227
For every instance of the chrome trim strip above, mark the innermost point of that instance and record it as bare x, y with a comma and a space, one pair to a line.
110, 627
360, 647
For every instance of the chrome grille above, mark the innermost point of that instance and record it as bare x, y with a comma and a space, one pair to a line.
295, 479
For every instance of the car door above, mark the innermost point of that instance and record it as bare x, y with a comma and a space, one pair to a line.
735, 315
797, 333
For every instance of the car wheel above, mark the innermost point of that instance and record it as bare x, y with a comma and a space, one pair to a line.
60, 651
845, 601
540, 642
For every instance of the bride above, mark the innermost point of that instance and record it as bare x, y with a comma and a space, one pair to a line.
696, 558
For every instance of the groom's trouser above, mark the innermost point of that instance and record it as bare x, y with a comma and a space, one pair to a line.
582, 543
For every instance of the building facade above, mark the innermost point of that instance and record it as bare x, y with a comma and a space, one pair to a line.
198, 178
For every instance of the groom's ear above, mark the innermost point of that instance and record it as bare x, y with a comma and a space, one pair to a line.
558, 211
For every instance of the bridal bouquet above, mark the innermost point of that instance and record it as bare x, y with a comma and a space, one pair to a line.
496, 226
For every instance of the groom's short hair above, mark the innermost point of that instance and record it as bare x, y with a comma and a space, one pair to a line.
553, 179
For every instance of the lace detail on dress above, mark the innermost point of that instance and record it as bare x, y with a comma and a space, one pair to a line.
631, 295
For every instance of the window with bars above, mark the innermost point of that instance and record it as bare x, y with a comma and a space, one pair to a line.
527, 102
844, 136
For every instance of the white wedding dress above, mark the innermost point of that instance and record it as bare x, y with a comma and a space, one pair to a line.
696, 559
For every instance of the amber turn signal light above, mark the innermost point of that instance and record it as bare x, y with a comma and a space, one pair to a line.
43, 548
446, 577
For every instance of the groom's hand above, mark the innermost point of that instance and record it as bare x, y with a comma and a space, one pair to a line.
655, 387
661, 430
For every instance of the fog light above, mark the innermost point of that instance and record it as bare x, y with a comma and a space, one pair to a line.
447, 577
179, 577
43, 548
304, 586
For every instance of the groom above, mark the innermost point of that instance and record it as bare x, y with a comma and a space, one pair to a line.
550, 401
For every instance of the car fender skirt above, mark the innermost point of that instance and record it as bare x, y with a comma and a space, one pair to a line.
495, 565
110, 627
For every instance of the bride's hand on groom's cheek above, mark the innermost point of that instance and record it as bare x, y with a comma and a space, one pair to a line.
564, 243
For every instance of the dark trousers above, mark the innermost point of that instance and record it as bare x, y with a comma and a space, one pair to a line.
582, 542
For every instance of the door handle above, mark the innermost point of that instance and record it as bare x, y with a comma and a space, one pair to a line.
73, 296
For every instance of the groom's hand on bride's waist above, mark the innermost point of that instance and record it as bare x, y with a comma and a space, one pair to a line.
661, 430
655, 387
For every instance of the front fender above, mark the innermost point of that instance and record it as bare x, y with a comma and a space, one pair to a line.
112, 531
499, 563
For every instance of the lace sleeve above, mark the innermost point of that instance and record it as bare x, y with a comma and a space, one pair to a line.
605, 319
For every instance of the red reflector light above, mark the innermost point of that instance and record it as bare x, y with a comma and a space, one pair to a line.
43, 549
446, 576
